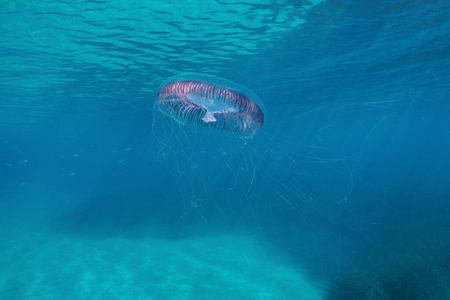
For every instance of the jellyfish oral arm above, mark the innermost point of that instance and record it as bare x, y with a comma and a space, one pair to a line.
211, 106
209, 117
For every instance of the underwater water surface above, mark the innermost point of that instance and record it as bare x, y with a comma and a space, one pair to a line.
340, 190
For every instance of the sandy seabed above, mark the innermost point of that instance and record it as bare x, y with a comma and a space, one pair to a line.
215, 267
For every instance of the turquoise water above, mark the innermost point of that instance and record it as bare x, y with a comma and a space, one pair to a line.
342, 194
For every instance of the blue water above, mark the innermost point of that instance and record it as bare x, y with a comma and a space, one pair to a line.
342, 194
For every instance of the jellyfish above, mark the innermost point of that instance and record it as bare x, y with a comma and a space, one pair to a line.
228, 165
232, 169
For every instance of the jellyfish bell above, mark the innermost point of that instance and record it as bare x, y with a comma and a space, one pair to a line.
212, 102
